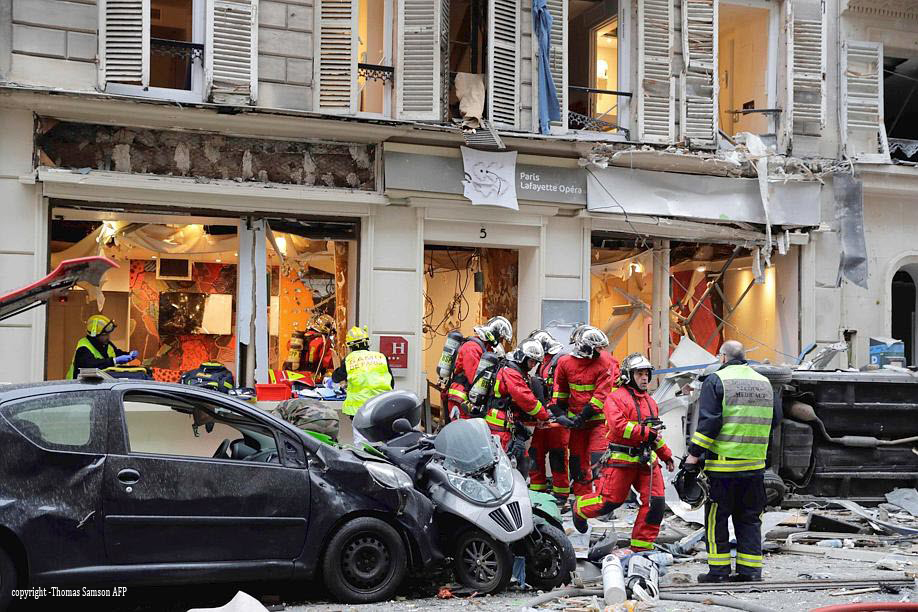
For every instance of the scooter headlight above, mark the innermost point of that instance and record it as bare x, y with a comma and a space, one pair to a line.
471, 488
389, 476
503, 476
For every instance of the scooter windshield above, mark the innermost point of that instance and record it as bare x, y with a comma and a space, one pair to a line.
466, 446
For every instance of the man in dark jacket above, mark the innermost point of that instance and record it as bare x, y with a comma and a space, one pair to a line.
736, 415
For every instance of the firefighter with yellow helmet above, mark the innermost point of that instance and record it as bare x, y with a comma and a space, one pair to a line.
95, 349
367, 373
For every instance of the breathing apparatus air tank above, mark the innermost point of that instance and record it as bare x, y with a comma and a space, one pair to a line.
447, 362
484, 379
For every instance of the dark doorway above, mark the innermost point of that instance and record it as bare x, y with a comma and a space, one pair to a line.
903, 312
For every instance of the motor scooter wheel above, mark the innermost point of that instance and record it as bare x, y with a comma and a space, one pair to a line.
550, 557
365, 561
481, 563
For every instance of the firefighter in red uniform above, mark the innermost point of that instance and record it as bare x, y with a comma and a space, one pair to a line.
582, 382
319, 347
487, 338
632, 418
513, 402
551, 439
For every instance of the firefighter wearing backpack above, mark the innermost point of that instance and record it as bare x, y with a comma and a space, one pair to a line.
488, 337
635, 443
513, 404
582, 382
549, 440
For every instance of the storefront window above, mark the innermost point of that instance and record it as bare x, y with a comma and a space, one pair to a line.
172, 299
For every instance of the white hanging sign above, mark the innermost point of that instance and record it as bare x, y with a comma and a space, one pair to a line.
490, 178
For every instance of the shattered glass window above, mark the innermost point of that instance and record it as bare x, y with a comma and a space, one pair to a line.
65, 421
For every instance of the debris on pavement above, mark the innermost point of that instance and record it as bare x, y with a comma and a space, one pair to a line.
242, 602
907, 499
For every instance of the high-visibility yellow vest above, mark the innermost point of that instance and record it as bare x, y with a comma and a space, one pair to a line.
748, 408
367, 376
85, 343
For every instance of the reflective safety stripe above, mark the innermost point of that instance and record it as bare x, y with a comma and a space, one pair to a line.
535, 410
616, 456
723, 464
702, 440
713, 557
749, 557
596, 402
560, 395
640, 544
587, 501
457, 393
577, 387
565, 490
538, 487
272, 376
660, 442
747, 562
493, 419
629, 428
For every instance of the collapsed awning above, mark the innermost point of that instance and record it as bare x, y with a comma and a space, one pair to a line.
709, 198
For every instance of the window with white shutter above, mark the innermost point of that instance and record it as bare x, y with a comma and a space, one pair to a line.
422, 70
863, 130
162, 49
807, 49
504, 63
336, 56
124, 42
557, 55
231, 51
656, 85
700, 86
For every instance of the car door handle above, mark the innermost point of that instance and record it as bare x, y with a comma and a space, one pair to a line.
128, 476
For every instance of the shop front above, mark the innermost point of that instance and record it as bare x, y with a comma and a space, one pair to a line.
569, 251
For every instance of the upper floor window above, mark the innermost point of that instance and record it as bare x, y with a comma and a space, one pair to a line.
182, 50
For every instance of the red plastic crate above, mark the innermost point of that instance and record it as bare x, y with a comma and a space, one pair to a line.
272, 392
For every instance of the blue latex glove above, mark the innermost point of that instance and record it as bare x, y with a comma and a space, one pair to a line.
134, 355
120, 359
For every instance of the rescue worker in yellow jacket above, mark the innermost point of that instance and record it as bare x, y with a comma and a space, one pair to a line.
95, 349
367, 373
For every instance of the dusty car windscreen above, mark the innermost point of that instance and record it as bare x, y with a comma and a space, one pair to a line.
466, 446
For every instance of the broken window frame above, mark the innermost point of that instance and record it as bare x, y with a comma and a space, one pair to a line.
193, 96
778, 119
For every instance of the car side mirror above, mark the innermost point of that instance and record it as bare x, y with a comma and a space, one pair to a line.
401, 426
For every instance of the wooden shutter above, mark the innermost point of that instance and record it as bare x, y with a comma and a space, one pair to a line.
420, 77
808, 69
700, 85
335, 84
863, 131
124, 42
231, 51
504, 63
656, 86
557, 55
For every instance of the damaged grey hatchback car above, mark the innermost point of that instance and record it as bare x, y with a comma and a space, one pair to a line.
145, 483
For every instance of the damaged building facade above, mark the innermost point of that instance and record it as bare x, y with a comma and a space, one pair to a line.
661, 168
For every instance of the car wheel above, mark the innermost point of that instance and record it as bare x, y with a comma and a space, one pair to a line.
365, 561
776, 375
550, 558
7, 580
482, 563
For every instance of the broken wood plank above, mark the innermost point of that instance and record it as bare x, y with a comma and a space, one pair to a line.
850, 554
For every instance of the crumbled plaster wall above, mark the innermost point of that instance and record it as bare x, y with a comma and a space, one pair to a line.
204, 156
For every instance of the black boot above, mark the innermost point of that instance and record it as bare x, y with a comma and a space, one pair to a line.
580, 523
746, 577
711, 577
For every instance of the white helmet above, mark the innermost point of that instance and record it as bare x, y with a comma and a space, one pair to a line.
495, 331
528, 349
631, 364
548, 342
589, 340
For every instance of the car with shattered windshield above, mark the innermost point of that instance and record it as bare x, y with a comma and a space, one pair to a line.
130, 482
